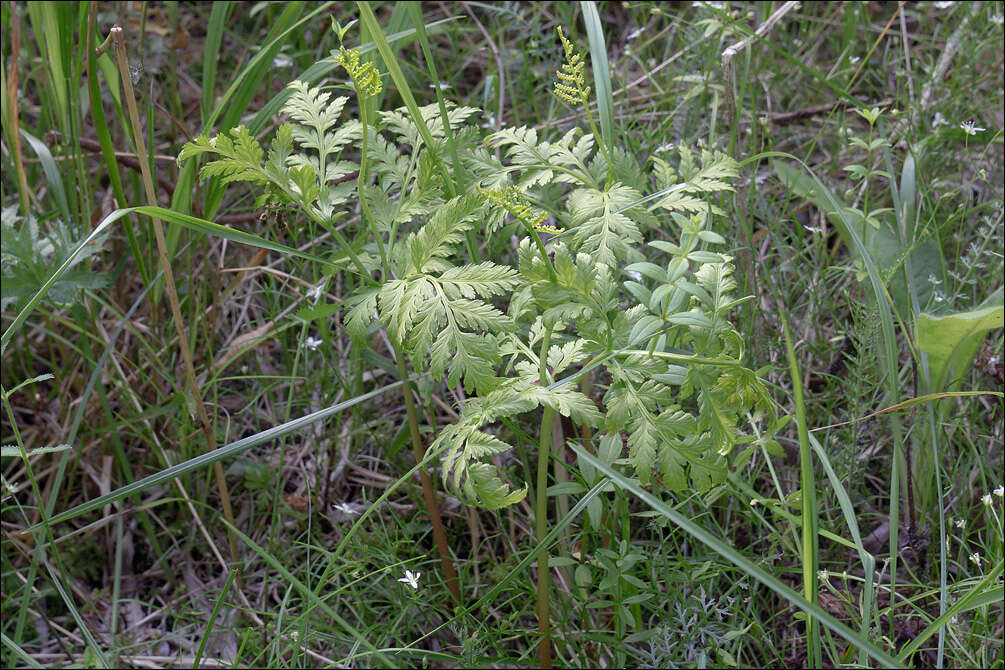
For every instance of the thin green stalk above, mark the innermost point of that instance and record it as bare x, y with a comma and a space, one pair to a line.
183, 343
420, 30
361, 183
727, 551
415, 9
541, 516
212, 617
366, 89
811, 541
51, 542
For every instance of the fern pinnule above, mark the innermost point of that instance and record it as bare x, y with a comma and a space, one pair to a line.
316, 118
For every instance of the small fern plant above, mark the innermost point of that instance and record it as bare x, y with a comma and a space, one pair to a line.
631, 341
655, 336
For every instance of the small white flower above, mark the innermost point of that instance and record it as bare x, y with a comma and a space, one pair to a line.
996, 19
442, 86
944, 5
939, 120
854, 60
345, 508
282, 61
970, 129
314, 292
986, 499
294, 635
961, 523
663, 147
932, 280
1000, 491
822, 575
411, 578
975, 558
634, 274
312, 343
754, 502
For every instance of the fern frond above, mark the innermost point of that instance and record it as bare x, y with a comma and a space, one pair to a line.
399, 301
241, 156
399, 121
712, 176
362, 312
479, 482
477, 315
486, 170
387, 162
431, 244
315, 116
484, 487
468, 355
717, 279
484, 279
523, 150
561, 357
601, 230
567, 402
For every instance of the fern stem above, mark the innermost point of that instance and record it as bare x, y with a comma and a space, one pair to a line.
541, 516
600, 142
428, 494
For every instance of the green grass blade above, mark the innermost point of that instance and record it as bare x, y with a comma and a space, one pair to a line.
254, 73
212, 617
168, 216
308, 594
848, 511
733, 556
45, 24
982, 594
221, 453
51, 171
241, 80
808, 486
211, 56
601, 73
104, 135
531, 556
370, 21
19, 652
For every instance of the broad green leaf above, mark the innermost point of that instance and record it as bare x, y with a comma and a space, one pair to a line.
951, 340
